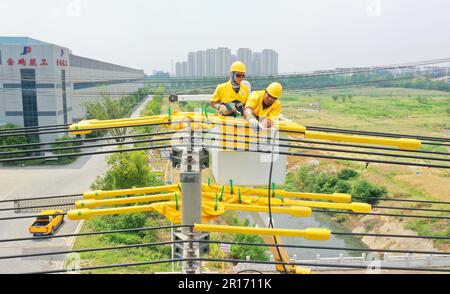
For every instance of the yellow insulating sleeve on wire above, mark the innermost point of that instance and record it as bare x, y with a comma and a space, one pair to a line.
99, 194
301, 270
85, 213
297, 211
400, 143
355, 207
92, 203
291, 126
335, 197
77, 128
316, 234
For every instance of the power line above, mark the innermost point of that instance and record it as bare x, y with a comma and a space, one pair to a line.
411, 208
235, 261
92, 129
87, 153
30, 216
95, 233
32, 127
334, 150
102, 78
162, 243
93, 249
87, 140
382, 214
390, 235
402, 200
329, 143
87, 146
41, 198
188, 226
320, 264
331, 157
40, 206
377, 134
322, 247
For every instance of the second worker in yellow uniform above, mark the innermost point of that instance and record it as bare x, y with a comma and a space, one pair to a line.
263, 107
230, 97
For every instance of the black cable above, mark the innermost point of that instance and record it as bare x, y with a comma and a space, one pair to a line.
235, 261
329, 143
390, 235
323, 247
34, 207
319, 264
221, 242
95, 233
86, 140
93, 249
410, 208
40, 128
87, 153
377, 134
338, 150
151, 80
269, 196
334, 157
87, 146
402, 200
40, 198
435, 144
31, 216
112, 266
382, 214
92, 129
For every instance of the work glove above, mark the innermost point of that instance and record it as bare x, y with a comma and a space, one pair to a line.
222, 109
253, 123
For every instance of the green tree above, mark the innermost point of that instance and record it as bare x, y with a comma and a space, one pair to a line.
109, 108
127, 170
12, 140
242, 251
66, 151
363, 188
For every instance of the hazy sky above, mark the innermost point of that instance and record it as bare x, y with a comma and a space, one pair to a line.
308, 35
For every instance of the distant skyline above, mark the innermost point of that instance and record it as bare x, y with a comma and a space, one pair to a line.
217, 61
308, 35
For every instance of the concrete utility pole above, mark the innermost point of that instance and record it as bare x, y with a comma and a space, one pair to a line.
191, 206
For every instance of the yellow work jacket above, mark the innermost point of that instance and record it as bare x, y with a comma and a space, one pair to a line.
225, 93
255, 101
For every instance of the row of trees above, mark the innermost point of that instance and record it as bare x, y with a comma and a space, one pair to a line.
312, 179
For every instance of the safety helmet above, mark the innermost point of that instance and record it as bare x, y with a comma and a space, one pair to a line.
275, 90
238, 66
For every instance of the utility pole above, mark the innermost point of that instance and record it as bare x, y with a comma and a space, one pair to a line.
192, 163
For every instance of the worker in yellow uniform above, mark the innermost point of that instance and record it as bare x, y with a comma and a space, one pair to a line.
230, 97
263, 107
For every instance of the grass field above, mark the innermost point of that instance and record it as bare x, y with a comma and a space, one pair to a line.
404, 111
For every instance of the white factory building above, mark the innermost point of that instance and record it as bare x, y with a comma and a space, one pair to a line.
45, 84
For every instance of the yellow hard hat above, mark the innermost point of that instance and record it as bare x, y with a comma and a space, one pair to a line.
275, 89
238, 66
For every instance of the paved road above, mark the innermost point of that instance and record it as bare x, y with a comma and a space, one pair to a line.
25, 182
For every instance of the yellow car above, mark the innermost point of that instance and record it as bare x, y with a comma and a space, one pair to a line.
47, 222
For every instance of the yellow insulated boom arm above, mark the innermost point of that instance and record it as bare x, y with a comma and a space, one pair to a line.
85, 213
92, 203
355, 206
309, 233
136, 191
335, 197
85, 127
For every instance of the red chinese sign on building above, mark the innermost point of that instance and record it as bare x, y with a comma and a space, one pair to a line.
34, 62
